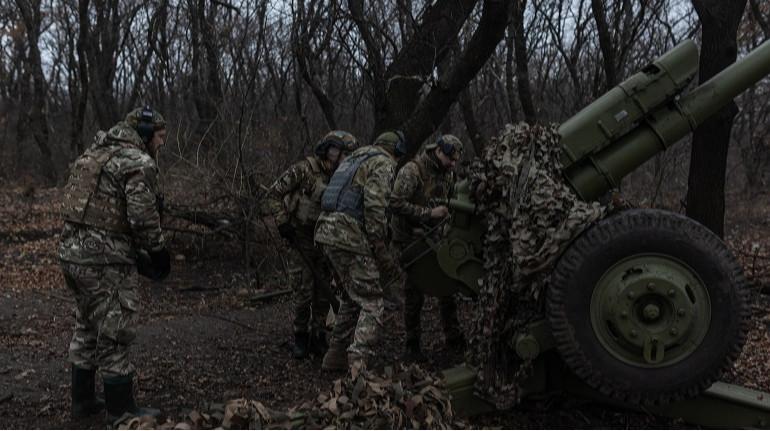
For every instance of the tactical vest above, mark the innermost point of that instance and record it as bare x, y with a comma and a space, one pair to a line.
341, 194
83, 202
308, 201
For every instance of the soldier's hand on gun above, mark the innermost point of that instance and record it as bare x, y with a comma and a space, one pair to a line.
439, 212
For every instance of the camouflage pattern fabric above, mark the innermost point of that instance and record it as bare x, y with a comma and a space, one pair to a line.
299, 181
99, 264
420, 185
375, 177
414, 300
531, 217
312, 286
105, 316
128, 179
360, 256
399, 398
360, 314
299, 184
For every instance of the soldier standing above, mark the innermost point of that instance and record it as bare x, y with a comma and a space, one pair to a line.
111, 235
416, 205
295, 202
353, 233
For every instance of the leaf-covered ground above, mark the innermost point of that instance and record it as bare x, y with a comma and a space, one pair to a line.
203, 339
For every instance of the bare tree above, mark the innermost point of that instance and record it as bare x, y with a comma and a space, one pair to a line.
706, 184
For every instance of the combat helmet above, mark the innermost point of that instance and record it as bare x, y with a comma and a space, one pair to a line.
145, 121
346, 142
394, 141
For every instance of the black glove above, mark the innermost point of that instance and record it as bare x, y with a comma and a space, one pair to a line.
154, 265
286, 230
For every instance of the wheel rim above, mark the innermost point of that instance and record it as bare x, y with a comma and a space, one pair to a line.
650, 310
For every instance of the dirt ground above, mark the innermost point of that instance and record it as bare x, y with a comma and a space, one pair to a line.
201, 338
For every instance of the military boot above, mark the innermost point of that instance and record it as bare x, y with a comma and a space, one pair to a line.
335, 359
413, 353
84, 400
300, 349
119, 399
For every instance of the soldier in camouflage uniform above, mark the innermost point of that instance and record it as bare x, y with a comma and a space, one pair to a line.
111, 235
353, 233
295, 202
418, 203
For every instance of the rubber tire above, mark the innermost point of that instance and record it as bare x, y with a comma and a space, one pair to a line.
647, 231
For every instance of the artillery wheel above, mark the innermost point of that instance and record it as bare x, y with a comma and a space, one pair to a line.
648, 307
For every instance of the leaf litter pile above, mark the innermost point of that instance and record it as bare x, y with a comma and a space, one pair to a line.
409, 397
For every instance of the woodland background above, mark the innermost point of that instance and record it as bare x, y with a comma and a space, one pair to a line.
248, 87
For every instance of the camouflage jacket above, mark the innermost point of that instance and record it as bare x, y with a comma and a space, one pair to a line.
375, 176
126, 189
295, 196
420, 185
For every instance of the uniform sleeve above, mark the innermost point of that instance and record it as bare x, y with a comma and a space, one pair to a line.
407, 183
376, 196
141, 189
287, 183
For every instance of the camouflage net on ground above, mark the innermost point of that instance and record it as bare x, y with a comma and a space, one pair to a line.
531, 216
409, 397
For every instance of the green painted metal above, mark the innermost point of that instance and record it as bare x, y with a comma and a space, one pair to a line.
621, 109
650, 310
602, 168
453, 264
723, 406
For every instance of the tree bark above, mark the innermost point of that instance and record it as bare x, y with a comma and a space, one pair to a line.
431, 111
605, 44
37, 115
710, 142
522, 61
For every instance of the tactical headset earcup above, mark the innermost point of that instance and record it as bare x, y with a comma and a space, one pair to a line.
400, 149
446, 148
145, 127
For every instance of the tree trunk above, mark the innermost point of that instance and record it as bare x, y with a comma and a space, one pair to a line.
522, 61
605, 44
710, 142
37, 116
431, 111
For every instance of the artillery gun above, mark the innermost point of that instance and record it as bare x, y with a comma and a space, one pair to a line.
645, 308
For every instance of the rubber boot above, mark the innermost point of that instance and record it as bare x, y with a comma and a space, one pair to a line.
119, 399
413, 353
335, 359
318, 345
84, 400
300, 349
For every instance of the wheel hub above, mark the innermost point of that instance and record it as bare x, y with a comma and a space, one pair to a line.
650, 310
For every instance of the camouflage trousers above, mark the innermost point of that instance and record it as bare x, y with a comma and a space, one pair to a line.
312, 285
106, 313
413, 302
414, 299
361, 307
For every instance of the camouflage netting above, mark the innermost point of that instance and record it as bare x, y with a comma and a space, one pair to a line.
406, 398
531, 215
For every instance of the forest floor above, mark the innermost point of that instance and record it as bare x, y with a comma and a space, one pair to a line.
202, 339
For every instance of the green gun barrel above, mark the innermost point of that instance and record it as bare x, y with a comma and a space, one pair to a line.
601, 170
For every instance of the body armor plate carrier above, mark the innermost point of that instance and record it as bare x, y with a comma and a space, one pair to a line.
84, 203
341, 195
